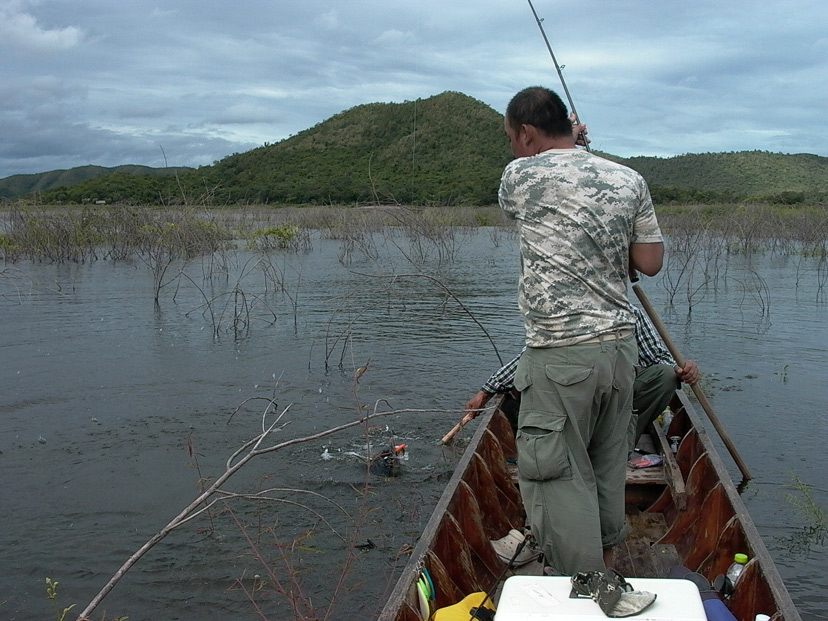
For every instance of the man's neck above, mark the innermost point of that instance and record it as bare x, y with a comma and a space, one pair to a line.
549, 143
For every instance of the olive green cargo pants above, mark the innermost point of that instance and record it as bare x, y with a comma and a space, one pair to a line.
653, 389
572, 444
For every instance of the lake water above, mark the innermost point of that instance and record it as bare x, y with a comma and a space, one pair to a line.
113, 408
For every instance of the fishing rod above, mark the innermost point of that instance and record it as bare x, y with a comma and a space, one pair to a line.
558, 68
643, 298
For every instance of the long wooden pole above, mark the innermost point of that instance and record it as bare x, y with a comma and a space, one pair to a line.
454, 430
700, 396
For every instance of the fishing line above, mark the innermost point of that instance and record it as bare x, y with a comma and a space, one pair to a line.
559, 69
417, 58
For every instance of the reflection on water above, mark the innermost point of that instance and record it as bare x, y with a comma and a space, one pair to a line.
102, 393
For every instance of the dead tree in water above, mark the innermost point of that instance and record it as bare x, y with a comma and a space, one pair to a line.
213, 494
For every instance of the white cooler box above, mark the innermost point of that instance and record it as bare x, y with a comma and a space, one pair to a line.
533, 598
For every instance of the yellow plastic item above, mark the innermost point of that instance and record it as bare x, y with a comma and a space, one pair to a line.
461, 611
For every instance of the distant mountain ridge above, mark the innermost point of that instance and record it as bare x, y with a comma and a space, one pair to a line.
740, 174
448, 149
20, 185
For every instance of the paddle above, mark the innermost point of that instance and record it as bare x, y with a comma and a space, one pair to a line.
700, 396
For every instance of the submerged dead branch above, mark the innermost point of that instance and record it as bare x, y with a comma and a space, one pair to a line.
448, 292
235, 462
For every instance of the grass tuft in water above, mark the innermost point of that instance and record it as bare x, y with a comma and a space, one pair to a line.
816, 528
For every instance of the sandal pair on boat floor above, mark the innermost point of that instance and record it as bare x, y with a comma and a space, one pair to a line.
613, 594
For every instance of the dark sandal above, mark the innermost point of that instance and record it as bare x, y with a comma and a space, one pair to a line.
614, 595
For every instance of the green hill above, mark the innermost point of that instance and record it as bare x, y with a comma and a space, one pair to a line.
444, 150
20, 185
447, 149
740, 175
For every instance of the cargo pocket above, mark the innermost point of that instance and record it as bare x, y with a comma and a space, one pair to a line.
522, 379
542, 451
567, 374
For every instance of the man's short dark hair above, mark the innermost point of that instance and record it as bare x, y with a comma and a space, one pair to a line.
542, 108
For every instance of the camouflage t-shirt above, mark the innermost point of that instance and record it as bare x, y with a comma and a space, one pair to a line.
577, 215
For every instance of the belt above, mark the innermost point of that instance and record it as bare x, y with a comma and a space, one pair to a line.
608, 336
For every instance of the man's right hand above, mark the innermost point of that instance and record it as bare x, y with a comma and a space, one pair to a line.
474, 405
579, 131
689, 374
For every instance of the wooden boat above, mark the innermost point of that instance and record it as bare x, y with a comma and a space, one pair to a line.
686, 512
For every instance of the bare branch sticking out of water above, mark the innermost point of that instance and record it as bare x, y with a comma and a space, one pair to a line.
252, 448
238, 307
757, 288
450, 294
15, 286
822, 276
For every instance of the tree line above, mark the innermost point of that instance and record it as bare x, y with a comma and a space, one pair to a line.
445, 150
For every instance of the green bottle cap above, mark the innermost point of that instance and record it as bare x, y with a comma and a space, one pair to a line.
740, 558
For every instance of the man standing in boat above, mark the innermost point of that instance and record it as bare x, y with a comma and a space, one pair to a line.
584, 221
657, 377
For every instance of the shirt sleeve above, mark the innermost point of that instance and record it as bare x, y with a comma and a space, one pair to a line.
506, 191
651, 349
503, 379
645, 227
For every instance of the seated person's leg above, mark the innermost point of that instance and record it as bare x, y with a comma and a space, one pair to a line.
652, 391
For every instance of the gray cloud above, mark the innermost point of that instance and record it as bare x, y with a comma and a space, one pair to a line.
29, 36
107, 83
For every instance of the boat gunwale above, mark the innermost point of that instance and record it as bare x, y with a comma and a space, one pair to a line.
785, 607
695, 425
411, 570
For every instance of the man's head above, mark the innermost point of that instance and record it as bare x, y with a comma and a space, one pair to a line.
536, 114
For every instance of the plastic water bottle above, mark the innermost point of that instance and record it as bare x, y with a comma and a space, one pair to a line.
735, 570
666, 417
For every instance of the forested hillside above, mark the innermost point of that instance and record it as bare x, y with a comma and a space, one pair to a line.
740, 175
448, 149
19, 185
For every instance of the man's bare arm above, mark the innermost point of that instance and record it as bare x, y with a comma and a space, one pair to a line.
647, 258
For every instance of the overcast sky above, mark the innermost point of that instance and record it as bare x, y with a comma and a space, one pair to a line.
113, 82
